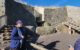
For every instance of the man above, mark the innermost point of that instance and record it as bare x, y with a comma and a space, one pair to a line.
77, 45
71, 47
20, 37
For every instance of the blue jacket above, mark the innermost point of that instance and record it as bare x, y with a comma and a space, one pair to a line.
15, 38
77, 45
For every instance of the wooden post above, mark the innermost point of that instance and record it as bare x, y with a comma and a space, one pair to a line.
69, 29
38, 47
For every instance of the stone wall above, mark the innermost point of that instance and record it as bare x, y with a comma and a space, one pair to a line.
2, 13
45, 30
3, 20
40, 12
74, 13
55, 16
2, 7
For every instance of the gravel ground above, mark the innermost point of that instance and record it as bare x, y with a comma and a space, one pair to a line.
59, 41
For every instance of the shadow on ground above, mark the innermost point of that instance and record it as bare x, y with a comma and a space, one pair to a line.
50, 46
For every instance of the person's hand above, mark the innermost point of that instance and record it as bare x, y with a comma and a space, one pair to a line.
18, 25
71, 47
22, 37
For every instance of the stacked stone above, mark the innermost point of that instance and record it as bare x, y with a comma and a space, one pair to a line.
54, 16
5, 38
2, 7
1, 40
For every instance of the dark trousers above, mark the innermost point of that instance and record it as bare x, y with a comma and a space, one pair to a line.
25, 45
14, 49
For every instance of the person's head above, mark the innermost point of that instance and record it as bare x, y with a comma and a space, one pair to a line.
19, 23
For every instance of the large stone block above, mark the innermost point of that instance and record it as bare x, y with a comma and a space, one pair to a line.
2, 7
55, 16
45, 30
74, 13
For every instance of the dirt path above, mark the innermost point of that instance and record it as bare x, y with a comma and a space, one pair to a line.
58, 41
